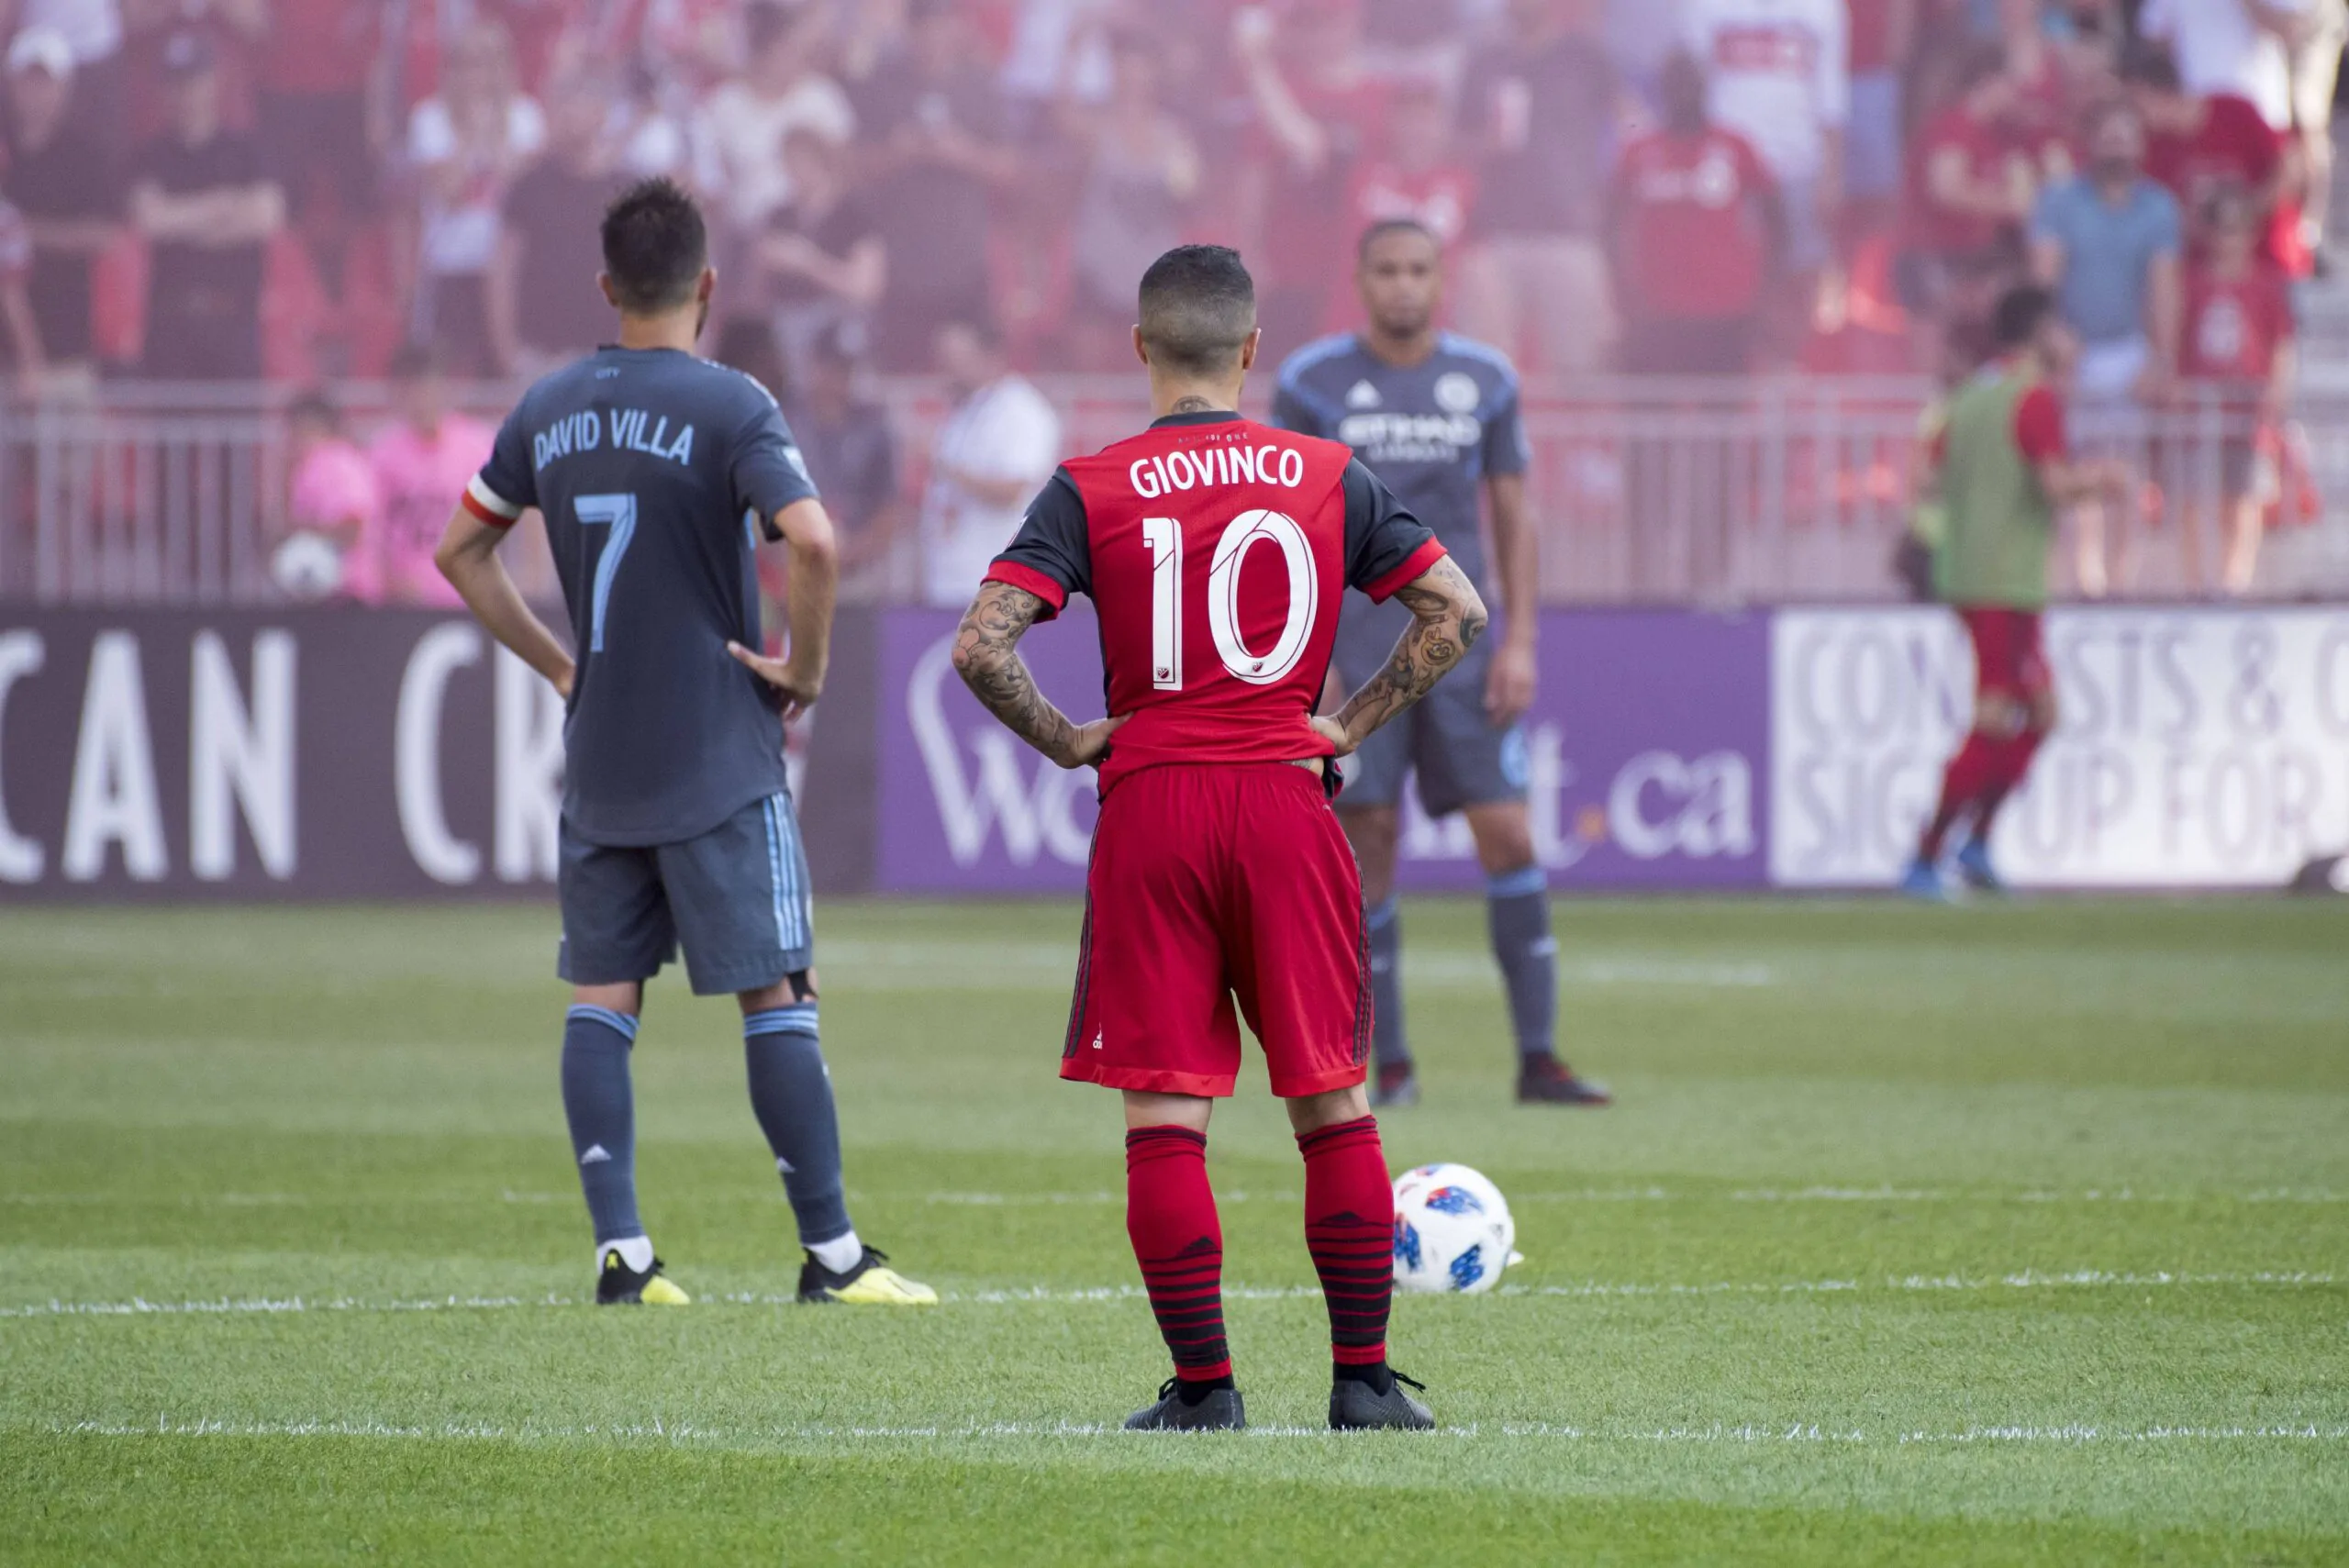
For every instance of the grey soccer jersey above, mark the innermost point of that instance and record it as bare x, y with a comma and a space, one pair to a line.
1432, 432
653, 469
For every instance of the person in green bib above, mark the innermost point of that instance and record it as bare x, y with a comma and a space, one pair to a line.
2002, 474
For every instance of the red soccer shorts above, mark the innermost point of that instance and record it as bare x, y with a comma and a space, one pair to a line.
1210, 883
2008, 662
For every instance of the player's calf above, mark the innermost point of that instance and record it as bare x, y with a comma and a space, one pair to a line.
1178, 1242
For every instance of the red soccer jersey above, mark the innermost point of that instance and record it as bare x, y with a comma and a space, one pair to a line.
2234, 326
1692, 234
2233, 143
1988, 151
1216, 551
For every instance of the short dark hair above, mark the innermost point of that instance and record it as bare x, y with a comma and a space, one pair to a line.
655, 246
1199, 305
2018, 316
1387, 226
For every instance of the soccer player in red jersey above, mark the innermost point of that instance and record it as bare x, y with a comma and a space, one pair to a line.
1216, 550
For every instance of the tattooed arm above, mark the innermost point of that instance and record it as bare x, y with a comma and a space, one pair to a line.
1447, 617
987, 655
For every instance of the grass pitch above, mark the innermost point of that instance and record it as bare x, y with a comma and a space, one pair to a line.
2011, 1235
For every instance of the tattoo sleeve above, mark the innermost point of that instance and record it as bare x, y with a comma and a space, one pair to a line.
987, 655
1447, 617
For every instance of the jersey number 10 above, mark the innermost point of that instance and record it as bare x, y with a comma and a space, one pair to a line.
1163, 538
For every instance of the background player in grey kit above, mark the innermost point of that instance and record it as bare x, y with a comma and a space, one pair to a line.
655, 472
1435, 416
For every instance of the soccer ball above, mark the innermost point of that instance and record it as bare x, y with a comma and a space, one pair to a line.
308, 567
1452, 1230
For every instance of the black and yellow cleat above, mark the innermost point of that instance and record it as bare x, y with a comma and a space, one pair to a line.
1221, 1411
619, 1285
872, 1283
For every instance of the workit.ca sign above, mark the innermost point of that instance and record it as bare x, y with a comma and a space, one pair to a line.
1643, 762
316, 754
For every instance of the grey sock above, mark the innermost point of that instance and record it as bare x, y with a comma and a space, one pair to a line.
601, 1106
1517, 911
1387, 1046
791, 1090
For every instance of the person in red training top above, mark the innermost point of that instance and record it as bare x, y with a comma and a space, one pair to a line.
2196, 141
2002, 469
2238, 352
1697, 230
1216, 550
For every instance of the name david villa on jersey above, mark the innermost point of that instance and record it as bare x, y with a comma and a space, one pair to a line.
583, 432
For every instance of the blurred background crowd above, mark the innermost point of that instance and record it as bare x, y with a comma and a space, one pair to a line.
309, 193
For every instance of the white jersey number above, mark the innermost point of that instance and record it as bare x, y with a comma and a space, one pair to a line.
1163, 537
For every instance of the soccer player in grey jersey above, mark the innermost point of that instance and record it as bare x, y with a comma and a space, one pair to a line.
1436, 418
657, 471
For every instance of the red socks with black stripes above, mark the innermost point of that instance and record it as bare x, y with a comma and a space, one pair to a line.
1178, 1241
1350, 1230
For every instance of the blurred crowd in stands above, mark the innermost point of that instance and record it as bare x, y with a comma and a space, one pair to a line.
308, 190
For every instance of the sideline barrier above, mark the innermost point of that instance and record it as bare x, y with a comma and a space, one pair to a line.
1647, 490
320, 755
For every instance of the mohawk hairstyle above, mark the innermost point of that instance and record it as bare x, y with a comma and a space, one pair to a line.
655, 246
1199, 305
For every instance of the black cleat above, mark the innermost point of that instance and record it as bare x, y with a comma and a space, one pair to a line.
618, 1285
1397, 1084
1546, 1080
1356, 1407
1221, 1411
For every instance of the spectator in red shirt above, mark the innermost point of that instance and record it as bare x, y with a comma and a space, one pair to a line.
1414, 177
2197, 142
313, 102
1696, 225
1970, 185
1318, 112
2237, 351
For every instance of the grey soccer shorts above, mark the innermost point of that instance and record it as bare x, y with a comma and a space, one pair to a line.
1447, 740
736, 898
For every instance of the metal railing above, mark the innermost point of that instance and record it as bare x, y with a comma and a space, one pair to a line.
1645, 489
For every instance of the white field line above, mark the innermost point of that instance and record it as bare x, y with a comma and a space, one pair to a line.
1102, 1197
2028, 1279
1774, 1433
1665, 1194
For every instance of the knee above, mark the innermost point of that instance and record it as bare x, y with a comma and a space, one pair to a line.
2000, 715
1504, 837
1311, 1113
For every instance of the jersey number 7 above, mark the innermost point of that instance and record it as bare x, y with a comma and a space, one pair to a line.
618, 512
1163, 538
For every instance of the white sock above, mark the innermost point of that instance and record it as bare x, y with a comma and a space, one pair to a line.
636, 1251
840, 1254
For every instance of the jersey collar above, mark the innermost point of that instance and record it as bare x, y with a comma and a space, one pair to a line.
1207, 416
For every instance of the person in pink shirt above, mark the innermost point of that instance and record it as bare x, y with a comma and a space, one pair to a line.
334, 494
423, 461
